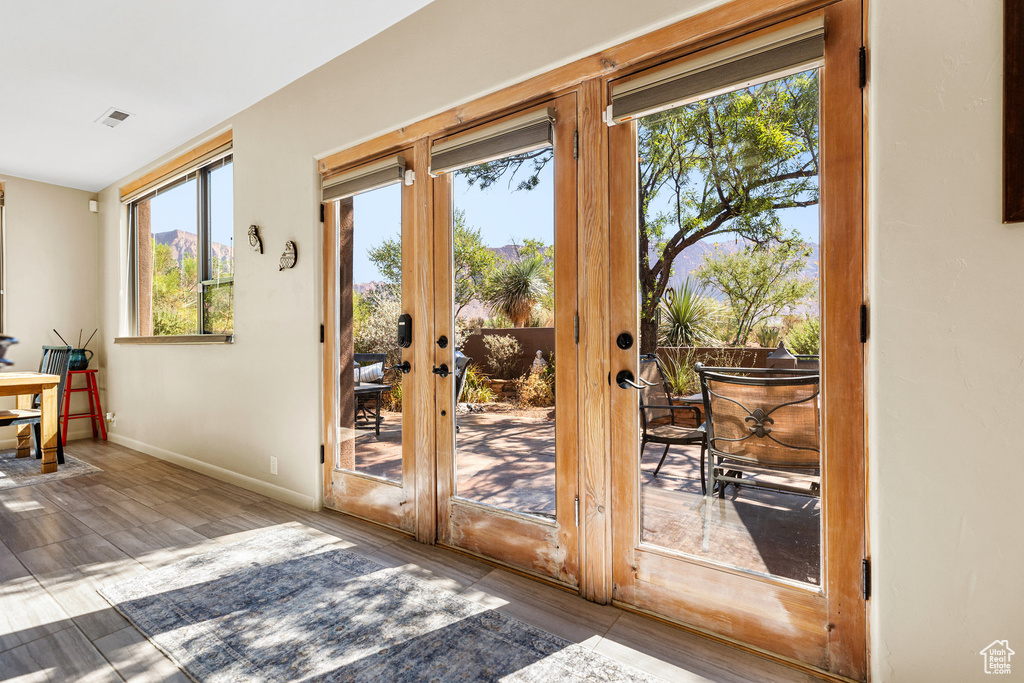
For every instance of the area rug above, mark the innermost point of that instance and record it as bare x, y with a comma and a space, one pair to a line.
15, 472
285, 606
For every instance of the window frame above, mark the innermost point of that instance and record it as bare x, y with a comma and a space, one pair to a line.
201, 173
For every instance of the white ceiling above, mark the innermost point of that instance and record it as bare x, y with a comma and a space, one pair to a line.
179, 67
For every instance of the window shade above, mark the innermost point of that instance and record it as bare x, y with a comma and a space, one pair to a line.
518, 135
178, 174
781, 53
364, 179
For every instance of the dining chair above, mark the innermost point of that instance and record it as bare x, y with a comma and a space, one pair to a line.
55, 361
662, 418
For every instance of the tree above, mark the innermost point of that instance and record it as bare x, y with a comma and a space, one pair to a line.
174, 292
723, 165
473, 262
759, 282
517, 288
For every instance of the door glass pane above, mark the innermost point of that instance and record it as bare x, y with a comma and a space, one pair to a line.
218, 292
728, 265
503, 294
370, 272
167, 266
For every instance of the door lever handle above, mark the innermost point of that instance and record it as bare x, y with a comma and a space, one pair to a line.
404, 366
625, 380
442, 371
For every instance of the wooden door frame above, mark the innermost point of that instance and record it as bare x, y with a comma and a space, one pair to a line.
550, 551
826, 629
408, 507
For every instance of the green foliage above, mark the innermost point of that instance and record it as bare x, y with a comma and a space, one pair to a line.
805, 337
473, 262
687, 317
475, 388
374, 328
175, 291
759, 282
517, 287
767, 336
504, 355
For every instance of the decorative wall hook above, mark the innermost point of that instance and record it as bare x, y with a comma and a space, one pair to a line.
289, 256
254, 239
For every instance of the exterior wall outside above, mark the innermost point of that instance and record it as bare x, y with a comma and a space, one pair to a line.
531, 339
51, 279
944, 282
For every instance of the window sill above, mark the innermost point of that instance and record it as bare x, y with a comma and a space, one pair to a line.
179, 339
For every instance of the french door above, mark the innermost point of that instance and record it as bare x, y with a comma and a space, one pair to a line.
377, 393
761, 565
507, 481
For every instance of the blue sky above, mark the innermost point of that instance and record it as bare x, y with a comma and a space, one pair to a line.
176, 208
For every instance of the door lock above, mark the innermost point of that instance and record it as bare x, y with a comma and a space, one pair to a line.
442, 342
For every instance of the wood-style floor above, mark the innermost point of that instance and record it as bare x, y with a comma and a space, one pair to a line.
60, 541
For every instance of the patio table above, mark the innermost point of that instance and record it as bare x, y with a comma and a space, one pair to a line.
368, 388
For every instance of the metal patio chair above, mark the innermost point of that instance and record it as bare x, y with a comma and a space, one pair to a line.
765, 424
661, 418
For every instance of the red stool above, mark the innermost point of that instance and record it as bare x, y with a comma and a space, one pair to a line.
95, 413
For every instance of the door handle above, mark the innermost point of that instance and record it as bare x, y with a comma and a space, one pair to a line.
442, 371
625, 380
404, 366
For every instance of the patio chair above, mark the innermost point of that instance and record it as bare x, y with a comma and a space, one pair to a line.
370, 369
661, 418
55, 361
764, 424
461, 363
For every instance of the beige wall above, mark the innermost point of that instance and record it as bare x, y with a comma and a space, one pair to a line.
51, 277
945, 290
947, 352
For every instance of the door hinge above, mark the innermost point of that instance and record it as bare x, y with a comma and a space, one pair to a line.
321, 213
862, 64
321, 334
577, 511
321, 454
863, 323
576, 144
866, 577
576, 329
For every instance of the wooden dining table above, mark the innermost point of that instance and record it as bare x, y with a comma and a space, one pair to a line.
25, 385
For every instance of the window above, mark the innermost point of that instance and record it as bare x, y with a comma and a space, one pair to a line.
182, 254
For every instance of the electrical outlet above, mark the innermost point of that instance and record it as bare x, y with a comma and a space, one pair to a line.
273, 465
111, 419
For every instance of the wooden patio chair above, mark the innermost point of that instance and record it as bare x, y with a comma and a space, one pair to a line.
661, 418
56, 360
765, 424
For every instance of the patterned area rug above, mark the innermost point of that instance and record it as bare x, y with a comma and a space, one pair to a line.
15, 472
284, 606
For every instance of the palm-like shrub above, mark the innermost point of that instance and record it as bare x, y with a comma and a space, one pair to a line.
687, 317
805, 337
516, 288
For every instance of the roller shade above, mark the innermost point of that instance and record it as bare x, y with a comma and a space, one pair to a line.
518, 135
194, 163
781, 53
380, 174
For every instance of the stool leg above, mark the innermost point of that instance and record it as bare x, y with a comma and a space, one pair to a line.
92, 406
99, 408
66, 408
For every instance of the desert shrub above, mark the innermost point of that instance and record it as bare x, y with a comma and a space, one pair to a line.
688, 318
767, 336
534, 391
375, 324
504, 355
679, 373
805, 337
392, 399
475, 388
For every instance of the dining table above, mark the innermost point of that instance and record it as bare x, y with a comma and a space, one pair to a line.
25, 386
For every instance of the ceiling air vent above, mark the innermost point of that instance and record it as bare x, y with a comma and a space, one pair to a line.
112, 117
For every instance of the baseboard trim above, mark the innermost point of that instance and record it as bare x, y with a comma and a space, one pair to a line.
249, 483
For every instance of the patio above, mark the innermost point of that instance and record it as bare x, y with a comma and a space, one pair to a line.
508, 460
